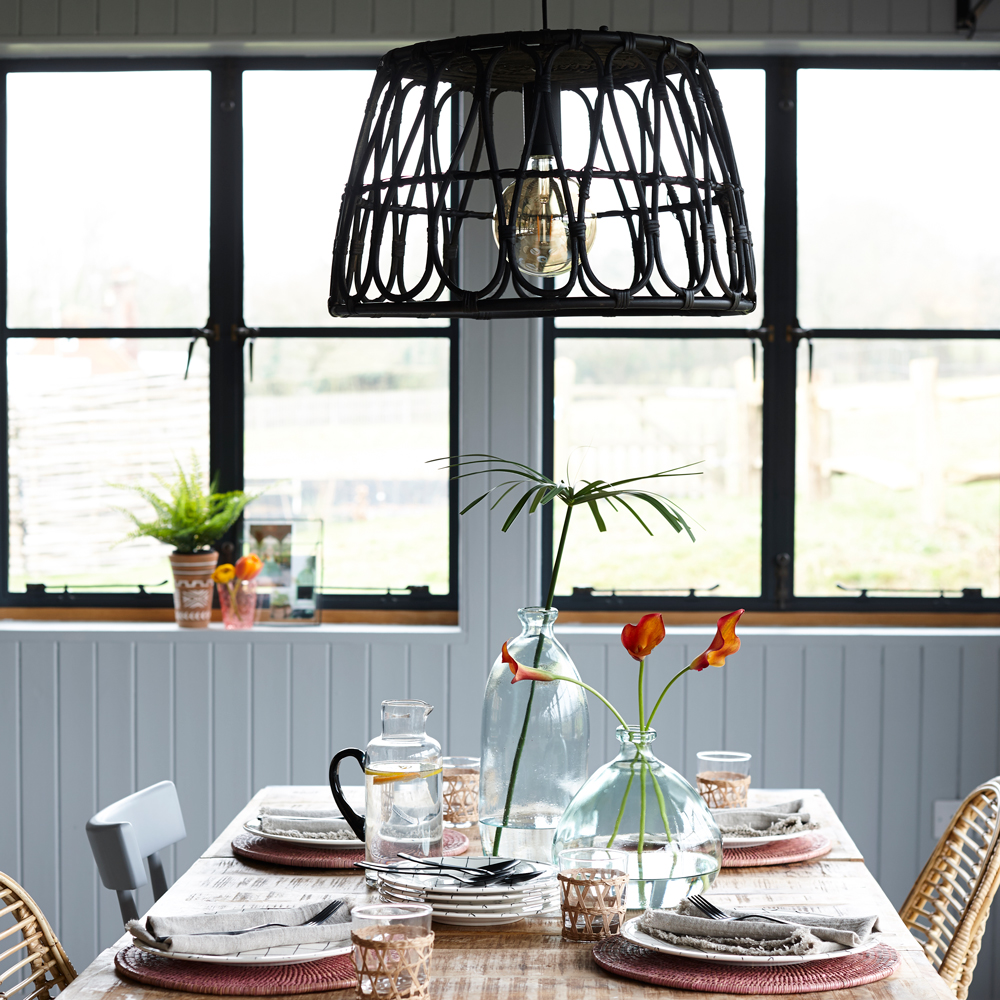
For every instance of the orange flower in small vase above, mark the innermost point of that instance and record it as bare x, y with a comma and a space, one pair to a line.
640, 640
237, 589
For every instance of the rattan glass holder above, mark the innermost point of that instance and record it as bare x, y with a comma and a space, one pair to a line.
593, 903
723, 789
461, 795
392, 961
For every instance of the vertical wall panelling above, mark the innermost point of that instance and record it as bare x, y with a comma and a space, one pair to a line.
77, 703
831, 17
272, 707
234, 17
704, 711
900, 816
10, 759
40, 17
783, 668
712, 17
428, 682
591, 14
744, 687
939, 744
155, 17
312, 17
349, 696
884, 722
310, 713
40, 773
590, 662
352, 19
232, 737
193, 762
195, 17
114, 17
389, 663
661, 666
754, 16
979, 751
78, 17
862, 745
822, 718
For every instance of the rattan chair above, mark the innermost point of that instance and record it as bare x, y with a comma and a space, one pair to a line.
947, 908
39, 963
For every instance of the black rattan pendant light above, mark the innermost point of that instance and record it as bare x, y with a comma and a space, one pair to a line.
644, 215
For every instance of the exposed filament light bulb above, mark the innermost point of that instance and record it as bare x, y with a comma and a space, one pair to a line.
541, 222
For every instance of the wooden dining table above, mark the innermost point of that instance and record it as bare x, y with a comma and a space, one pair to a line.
529, 960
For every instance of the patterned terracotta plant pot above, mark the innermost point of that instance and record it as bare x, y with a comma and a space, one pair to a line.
193, 588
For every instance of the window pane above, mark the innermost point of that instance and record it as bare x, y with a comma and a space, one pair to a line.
898, 478
893, 231
108, 187
742, 92
299, 134
628, 407
341, 429
86, 413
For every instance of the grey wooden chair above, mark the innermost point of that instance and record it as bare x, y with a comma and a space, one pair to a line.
124, 833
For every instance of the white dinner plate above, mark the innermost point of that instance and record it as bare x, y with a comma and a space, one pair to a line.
732, 842
631, 932
353, 844
467, 921
536, 905
288, 955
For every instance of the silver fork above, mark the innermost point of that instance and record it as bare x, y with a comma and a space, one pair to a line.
327, 911
714, 913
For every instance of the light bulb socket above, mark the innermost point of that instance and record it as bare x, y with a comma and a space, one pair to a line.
547, 139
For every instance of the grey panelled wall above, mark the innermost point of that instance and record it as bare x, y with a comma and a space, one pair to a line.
884, 721
354, 22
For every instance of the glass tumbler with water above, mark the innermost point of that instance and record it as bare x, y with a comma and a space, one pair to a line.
402, 786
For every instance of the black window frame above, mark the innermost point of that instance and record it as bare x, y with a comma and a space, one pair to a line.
225, 331
779, 335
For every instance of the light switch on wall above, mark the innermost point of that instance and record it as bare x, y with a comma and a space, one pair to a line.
944, 809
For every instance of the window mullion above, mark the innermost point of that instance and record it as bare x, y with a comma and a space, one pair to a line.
780, 271
226, 278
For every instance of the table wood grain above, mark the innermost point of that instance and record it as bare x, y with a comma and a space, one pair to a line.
529, 960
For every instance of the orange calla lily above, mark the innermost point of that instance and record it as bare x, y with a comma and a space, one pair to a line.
640, 640
725, 643
521, 672
248, 566
224, 573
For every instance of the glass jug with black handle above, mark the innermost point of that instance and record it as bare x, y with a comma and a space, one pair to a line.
403, 786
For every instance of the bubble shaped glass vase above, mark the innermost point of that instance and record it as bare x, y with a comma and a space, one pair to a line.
522, 795
638, 804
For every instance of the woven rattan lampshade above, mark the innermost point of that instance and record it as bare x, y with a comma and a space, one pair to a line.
652, 174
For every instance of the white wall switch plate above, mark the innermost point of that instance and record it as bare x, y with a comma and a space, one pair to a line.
944, 809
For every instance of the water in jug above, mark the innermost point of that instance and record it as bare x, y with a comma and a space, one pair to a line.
402, 785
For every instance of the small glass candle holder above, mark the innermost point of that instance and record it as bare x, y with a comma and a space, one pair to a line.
593, 881
392, 949
723, 778
461, 790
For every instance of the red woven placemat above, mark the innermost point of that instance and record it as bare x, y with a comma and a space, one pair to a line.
619, 956
335, 973
782, 852
280, 852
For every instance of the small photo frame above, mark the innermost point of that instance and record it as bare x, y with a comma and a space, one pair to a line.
288, 585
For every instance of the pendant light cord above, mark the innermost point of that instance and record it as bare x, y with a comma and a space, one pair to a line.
545, 15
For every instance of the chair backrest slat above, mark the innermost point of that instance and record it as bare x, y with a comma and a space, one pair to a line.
947, 907
44, 966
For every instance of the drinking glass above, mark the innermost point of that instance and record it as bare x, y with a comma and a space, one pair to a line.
593, 883
392, 949
723, 778
461, 790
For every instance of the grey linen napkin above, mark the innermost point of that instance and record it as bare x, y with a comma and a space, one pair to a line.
803, 934
765, 821
309, 822
210, 933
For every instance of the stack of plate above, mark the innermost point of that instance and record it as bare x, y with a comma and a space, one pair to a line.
453, 902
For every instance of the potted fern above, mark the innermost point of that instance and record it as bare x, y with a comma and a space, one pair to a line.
192, 521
